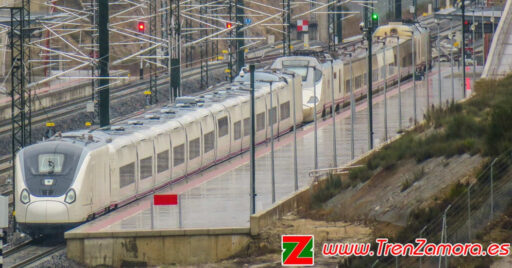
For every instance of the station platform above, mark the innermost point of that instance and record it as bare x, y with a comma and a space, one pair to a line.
218, 198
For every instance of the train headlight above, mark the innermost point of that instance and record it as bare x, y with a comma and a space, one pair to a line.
70, 196
25, 196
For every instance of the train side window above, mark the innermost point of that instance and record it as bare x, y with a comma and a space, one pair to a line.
285, 110
146, 167
179, 154
223, 126
260, 121
341, 83
247, 126
272, 118
365, 79
237, 129
383, 72
318, 75
347, 85
209, 141
375, 74
126, 175
358, 81
162, 160
194, 147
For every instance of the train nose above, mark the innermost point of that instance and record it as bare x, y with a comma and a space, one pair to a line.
307, 113
47, 212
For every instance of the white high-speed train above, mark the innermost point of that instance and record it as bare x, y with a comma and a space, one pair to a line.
75, 176
319, 70
78, 175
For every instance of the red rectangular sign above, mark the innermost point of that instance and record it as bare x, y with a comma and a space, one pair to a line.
165, 199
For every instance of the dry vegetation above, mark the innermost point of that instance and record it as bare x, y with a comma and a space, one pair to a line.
408, 183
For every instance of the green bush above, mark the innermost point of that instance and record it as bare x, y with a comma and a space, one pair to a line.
392, 153
456, 191
461, 126
331, 188
360, 174
499, 135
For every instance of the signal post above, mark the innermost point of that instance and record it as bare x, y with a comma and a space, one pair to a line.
370, 27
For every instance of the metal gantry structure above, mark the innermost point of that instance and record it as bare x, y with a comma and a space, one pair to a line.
174, 26
153, 90
204, 56
18, 80
174, 67
19, 65
69, 46
104, 62
26, 33
240, 44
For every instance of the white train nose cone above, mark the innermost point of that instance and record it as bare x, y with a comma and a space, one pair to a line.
47, 212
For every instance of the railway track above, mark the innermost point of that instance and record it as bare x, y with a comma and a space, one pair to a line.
30, 252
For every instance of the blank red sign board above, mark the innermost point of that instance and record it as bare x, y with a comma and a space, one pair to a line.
165, 199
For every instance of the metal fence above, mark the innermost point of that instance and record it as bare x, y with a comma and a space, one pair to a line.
475, 206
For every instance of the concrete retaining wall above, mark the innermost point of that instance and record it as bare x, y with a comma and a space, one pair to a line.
151, 248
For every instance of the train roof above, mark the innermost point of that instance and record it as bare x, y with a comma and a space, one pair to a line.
358, 50
399, 29
306, 60
162, 119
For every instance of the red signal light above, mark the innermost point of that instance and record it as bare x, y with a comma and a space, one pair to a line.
141, 27
466, 22
229, 25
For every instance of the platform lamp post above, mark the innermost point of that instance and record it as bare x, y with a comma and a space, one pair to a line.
385, 93
463, 9
473, 27
352, 105
483, 36
352, 110
369, 29
315, 100
271, 121
295, 166
253, 144
383, 42
428, 63
399, 63
414, 75
439, 64
451, 61
333, 115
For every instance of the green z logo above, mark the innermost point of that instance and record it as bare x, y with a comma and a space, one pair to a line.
297, 250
